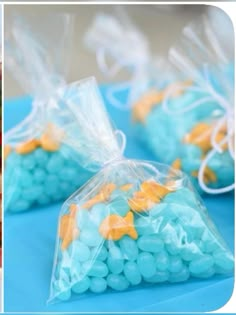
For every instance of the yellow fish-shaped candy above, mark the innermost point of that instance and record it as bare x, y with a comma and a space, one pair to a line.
68, 230
200, 135
102, 196
114, 227
150, 193
28, 146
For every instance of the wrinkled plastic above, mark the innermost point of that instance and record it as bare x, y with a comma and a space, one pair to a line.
192, 124
40, 166
134, 223
182, 108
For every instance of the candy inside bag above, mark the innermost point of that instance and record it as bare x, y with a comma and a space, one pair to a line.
134, 222
182, 108
40, 166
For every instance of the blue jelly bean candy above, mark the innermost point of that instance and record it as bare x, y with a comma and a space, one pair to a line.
143, 225
98, 213
55, 163
119, 206
51, 185
117, 282
146, 264
206, 274
132, 273
98, 285
175, 264
83, 219
13, 160
179, 276
115, 265
81, 286
129, 248
25, 178
39, 175
115, 252
150, 243
99, 253
159, 277
80, 251
12, 194
201, 264
224, 260
68, 173
65, 188
91, 237
190, 252
173, 248
41, 157
162, 260
32, 193
183, 196
28, 162
95, 268
43, 200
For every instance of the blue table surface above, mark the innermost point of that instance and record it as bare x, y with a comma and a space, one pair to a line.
29, 250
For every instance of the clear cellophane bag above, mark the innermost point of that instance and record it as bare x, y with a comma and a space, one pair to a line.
134, 223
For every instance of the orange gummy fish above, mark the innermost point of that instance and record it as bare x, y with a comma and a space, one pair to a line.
102, 196
149, 194
208, 177
152, 98
114, 227
200, 135
68, 230
28, 146
7, 151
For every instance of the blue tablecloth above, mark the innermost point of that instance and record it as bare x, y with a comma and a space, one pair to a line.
30, 240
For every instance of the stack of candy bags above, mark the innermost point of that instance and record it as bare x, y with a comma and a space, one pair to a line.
182, 108
134, 222
40, 166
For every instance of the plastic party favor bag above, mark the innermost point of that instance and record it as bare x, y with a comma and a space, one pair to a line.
40, 166
193, 124
180, 110
134, 222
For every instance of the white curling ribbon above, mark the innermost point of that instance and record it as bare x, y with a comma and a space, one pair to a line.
227, 118
118, 40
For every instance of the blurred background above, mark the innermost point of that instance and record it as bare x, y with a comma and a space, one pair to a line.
162, 24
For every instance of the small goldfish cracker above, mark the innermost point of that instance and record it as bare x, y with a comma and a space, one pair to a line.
107, 190
73, 208
153, 188
126, 187
68, 230
208, 177
176, 164
219, 137
114, 227
200, 135
102, 196
48, 144
51, 138
149, 191
93, 201
7, 151
144, 105
140, 201
27, 146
